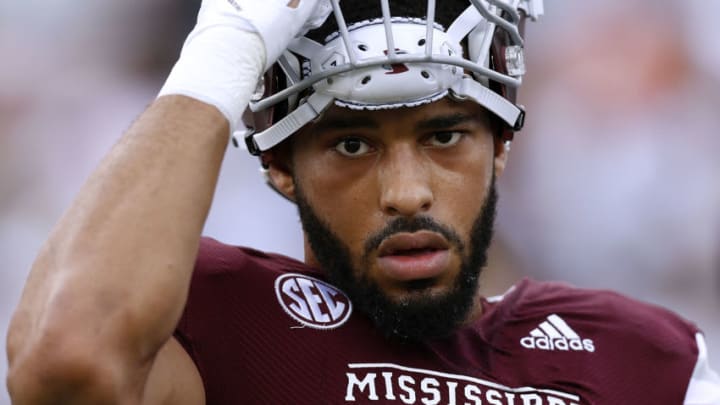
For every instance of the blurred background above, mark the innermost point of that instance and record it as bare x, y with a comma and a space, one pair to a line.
613, 183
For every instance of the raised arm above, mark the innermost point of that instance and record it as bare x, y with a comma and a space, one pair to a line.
108, 286
96, 317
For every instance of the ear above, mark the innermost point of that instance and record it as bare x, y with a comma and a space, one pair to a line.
279, 174
502, 151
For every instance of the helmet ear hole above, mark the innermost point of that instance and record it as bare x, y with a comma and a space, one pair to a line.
365, 80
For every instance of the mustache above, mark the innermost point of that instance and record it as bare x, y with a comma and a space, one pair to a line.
410, 225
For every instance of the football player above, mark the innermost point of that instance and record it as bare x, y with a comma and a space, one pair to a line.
387, 123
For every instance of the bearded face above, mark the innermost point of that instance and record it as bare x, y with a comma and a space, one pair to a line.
397, 207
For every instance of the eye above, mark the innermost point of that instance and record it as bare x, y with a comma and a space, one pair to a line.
352, 147
445, 139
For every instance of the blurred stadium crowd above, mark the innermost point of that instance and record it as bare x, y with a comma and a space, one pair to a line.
613, 183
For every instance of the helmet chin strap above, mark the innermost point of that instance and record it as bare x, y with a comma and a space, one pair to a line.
291, 123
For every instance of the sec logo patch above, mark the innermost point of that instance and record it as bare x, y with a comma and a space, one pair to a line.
312, 302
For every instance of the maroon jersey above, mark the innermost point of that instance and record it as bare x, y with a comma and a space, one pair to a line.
267, 329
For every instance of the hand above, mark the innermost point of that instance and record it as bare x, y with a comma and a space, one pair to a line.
276, 21
233, 42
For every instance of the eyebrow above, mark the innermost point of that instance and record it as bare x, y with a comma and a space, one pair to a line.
364, 121
332, 123
446, 121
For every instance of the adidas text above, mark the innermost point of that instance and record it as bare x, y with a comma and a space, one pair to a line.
546, 343
555, 334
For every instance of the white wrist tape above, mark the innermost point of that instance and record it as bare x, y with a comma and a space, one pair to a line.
220, 66
278, 23
233, 43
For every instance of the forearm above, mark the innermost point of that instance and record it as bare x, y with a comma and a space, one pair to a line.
130, 238
108, 287
114, 273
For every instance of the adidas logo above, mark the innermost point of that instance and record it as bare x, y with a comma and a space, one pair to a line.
555, 334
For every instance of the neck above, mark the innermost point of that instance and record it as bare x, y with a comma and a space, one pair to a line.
309, 256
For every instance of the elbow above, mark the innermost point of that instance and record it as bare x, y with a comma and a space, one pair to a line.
63, 373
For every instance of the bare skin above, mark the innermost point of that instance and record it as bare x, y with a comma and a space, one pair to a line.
108, 287
95, 321
435, 160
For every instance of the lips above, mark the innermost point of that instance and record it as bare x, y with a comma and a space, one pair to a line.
414, 256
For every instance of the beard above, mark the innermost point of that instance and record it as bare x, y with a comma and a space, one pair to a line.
420, 315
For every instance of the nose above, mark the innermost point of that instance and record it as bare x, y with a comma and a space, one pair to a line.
405, 182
